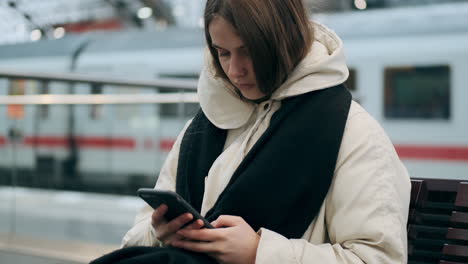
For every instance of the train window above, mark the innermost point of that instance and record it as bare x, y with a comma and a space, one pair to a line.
95, 112
17, 87
351, 85
417, 92
186, 110
351, 81
191, 109
179, 76
44, 109
128, 111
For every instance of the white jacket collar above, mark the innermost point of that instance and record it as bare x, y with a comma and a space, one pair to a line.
323, 67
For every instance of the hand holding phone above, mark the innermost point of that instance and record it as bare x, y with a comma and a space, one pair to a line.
175, 203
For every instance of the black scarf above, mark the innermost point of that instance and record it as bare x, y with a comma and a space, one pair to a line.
282, 182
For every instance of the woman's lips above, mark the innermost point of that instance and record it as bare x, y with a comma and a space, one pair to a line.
245, 86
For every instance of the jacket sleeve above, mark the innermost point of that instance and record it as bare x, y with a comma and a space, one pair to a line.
366, 208
142, 233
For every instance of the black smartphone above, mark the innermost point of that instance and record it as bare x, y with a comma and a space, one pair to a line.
175, 203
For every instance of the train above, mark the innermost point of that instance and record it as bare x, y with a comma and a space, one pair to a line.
408, 68
118, 147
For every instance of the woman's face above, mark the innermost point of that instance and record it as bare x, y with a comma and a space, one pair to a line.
234, 58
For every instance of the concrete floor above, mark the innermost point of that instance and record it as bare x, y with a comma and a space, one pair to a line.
14, 258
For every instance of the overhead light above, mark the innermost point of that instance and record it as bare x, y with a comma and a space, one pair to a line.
360, 4
144, 12
59, 32
36, 35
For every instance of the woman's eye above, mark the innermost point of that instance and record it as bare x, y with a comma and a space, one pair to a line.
223, 54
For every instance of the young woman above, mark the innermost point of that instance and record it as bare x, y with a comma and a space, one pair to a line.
286, 166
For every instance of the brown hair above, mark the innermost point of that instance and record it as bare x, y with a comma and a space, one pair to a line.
276, 33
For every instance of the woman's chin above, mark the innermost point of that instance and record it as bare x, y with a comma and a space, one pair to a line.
251, 93
252, 97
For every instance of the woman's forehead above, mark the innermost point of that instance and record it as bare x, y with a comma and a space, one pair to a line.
224, 35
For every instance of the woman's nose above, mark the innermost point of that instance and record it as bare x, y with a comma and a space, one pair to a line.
237, 68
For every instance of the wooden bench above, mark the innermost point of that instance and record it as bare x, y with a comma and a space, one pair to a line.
456, 248
438, 222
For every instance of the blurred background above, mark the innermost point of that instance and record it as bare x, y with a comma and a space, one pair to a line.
94, 92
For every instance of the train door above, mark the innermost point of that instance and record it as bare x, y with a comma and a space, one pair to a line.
35, 140
42, 141
18, 130
4, 153
92, 125
50, 136
134, 137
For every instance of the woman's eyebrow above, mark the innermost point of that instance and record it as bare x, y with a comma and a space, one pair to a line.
216, 46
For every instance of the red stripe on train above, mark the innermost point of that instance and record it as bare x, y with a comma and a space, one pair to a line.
122, 143
166, 144
89, 142
432, 152
45, 141
413, 152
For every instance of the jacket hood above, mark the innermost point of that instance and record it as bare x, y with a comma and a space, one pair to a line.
324, 67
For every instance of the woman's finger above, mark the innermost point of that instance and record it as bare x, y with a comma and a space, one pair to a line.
171, 239
178, 222
227, 221
175, 237
203, 234
168, 229
195, 225
158, 215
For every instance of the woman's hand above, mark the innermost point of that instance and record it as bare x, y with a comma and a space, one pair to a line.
167, 230
233, 240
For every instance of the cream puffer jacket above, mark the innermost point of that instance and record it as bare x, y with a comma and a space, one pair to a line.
363, 218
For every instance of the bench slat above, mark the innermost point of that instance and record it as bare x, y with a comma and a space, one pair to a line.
455, 250
459, 217
457, 234
462, 195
